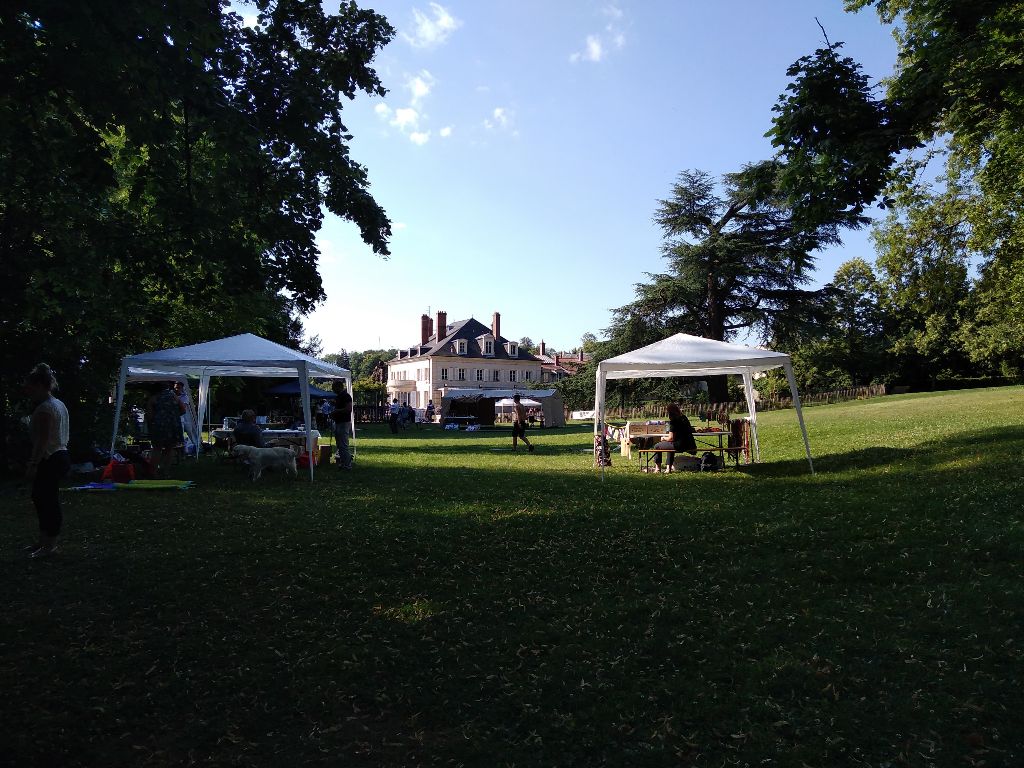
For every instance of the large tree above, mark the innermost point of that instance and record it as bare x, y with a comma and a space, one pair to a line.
958, 88
163, 172
737, 261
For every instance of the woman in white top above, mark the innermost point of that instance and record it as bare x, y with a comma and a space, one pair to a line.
49, 463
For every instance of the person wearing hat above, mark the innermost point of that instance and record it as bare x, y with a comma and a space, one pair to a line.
519, 424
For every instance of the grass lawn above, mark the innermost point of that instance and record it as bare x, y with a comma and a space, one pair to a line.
452, 603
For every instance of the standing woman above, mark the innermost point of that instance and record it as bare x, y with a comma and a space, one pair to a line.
164, 411
49, 463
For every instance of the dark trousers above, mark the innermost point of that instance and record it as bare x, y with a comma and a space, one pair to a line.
46, 492
393, 422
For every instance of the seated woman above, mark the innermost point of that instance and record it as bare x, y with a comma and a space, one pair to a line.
247, 432
679, 438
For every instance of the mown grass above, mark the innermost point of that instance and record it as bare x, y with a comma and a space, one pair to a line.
452, 603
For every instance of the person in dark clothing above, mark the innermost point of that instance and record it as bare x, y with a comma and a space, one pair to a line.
342, 418
679, 438
247, 432
49, 462
394, 410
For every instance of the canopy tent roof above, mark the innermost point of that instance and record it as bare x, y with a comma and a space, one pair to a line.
499, 394
293, 389
685, 355
242, 355
508, 402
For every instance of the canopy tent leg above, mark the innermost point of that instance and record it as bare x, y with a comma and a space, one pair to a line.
118, 399
191, 420
748, 390
788, 367
204, 407
348, 386
303, 371
599, 426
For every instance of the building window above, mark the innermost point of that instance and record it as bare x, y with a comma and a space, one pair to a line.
529, 375
444, 374
462, 374
479, 374
512, 375
495, 375
460, 347
513, 349
488, 347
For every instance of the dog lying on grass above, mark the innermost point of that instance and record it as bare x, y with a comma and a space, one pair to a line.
266, 458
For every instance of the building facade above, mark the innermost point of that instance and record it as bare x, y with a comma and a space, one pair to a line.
461, 355
556, 367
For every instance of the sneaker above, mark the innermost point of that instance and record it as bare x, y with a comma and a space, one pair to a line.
43, 552
31, 547
532, 446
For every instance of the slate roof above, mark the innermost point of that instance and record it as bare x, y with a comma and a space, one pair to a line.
470, 330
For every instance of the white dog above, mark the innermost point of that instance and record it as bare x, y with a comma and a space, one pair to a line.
264, 458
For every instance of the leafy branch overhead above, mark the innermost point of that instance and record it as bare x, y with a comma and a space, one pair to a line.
166, 170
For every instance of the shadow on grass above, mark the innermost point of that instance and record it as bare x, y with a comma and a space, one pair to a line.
481, 616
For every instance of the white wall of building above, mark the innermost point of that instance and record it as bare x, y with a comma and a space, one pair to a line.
418, 380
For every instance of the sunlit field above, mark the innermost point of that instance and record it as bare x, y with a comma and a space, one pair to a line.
450, 602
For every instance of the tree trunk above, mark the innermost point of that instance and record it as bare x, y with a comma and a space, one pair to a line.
718, 389
718, 386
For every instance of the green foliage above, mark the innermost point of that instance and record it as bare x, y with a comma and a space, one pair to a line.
958, 87
736, 261
163, 172
836, 140
363, 363
449, 602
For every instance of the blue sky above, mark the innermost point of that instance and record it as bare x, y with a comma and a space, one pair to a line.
523, 146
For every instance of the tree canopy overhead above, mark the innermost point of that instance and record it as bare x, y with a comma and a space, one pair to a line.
165, 170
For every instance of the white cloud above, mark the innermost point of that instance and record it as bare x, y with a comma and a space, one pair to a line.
501, 117
596, 46
249, 19
406, 117
431, 29
383, 111
419, 138
399, 225
420, 86
445, 132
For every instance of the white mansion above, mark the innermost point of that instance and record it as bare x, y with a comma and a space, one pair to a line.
463, 355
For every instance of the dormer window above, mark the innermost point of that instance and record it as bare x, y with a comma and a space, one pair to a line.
460, 347
512, 348
489, 347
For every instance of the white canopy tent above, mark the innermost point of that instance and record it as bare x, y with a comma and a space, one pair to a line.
548, 399
685, 355
242, 355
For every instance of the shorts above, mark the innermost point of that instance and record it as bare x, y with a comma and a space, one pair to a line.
518, 429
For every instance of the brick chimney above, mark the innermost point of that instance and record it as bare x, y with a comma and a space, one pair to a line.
496, 326
581, 354
556, 359
442, 325
424, 329
542, 349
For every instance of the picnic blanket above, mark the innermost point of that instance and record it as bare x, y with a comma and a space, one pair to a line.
137, 485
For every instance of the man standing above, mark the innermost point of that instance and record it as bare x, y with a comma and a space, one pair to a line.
519, 424
342, 417
393, 416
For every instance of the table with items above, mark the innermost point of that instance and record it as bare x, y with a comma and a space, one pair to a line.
643, 438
